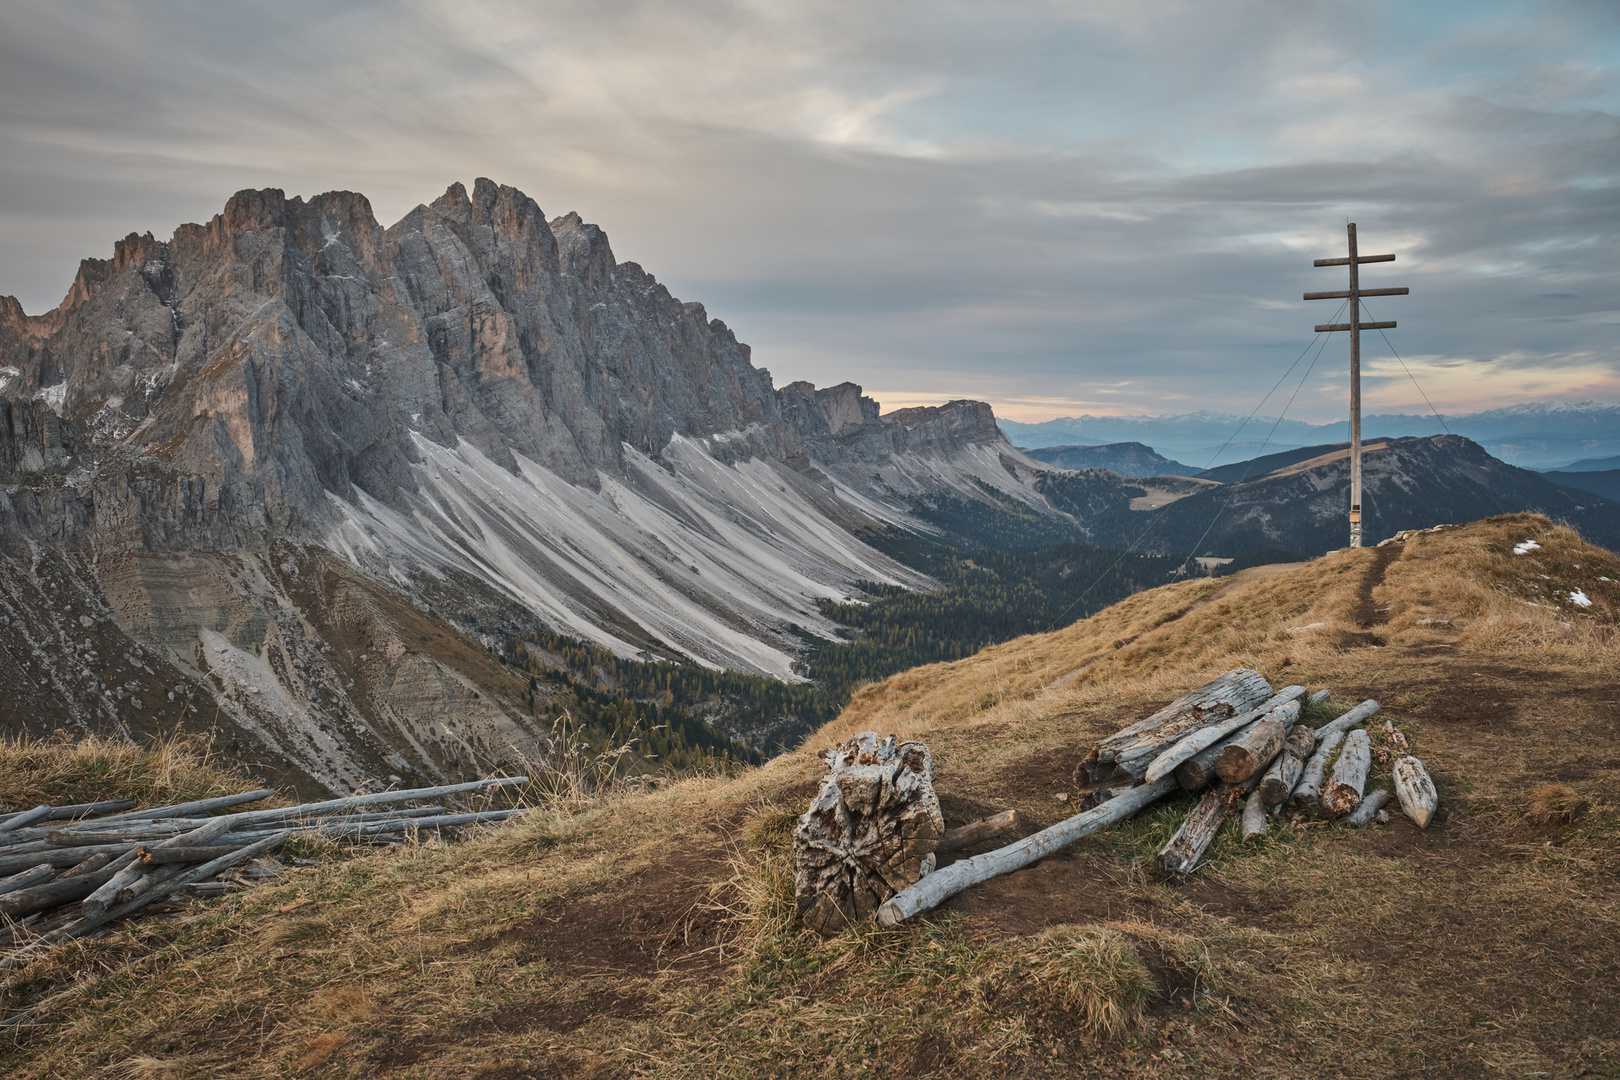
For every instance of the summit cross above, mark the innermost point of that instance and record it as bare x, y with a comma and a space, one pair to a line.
1355, 326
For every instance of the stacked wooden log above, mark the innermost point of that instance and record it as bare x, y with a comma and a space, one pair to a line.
1232, 738
108, 860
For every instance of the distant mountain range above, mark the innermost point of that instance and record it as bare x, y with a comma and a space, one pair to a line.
1536, 435
1126, 459
1298, 504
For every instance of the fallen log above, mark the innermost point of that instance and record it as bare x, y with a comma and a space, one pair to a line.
1364, 711
979, 831
82, 926
1370, 805
1124, 757
941, 885
870, 832
1254, 817
64, 890
1258, 746
1180, 856
107, 895
88, 866
191, 809
27, 817
1210, 734
1311, 777
34, 875
1320, 696
1279, 780
1343, 791
256, 817
58, 813
1198, 772
1415, 790
182, 856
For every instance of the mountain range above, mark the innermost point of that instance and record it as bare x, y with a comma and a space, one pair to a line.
300, 472
1534, 436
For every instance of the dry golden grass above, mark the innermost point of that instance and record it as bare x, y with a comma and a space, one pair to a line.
65, 770
650, 934
1559, 803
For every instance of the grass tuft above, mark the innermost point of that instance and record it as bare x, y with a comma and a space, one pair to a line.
1556, 802
1090, 975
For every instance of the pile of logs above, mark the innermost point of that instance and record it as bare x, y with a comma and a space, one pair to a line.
1234, 739
107, 860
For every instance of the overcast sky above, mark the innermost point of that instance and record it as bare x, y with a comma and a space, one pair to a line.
1056, 207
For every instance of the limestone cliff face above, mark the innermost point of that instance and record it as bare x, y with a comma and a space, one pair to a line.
477, 410
291, 346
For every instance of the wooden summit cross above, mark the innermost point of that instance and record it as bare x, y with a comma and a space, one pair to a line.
1355, 326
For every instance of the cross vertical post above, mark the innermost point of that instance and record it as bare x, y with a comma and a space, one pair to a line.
1355, 326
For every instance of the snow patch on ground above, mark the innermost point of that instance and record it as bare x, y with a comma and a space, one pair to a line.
1526, 547
1579, 598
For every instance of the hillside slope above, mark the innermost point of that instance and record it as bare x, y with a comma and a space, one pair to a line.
647, 935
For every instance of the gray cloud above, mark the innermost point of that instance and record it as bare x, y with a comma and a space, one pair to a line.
1060, 207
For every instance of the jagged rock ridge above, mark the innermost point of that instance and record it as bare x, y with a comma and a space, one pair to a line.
483, 407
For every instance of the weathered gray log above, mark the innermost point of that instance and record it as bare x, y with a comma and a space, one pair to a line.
70, 838
385, 828
977, 832
255, 817
8, 822
941, 885
1370, 805
34, 875
1310, 780
1364, 711
154, 878
1343, 791
870, 832
1258, 745
107, 895
1416, 791
1198, 772
58, 856
1320, 696
1254, 816
193, 809
1210, 734
1180, 856
1279, 780
64, 890
1124, 757
27, 817
183, 856
88, 865
87, 832
82, 926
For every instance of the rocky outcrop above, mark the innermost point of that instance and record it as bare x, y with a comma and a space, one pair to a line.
475, 409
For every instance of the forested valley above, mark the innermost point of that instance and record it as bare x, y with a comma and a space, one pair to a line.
682, 716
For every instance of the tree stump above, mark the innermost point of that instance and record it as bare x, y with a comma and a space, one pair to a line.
870, 832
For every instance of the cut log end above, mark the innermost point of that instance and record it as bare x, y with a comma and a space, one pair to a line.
1415, 790
870, 832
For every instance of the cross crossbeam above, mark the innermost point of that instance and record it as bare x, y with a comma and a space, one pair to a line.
1355, 326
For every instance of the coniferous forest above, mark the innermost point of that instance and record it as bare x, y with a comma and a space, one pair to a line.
681, 715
